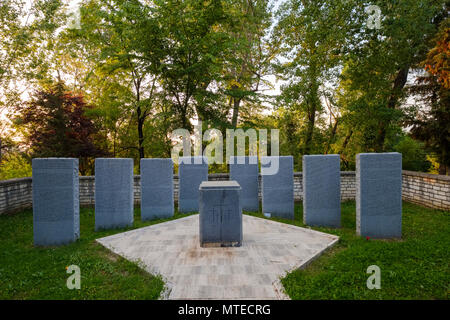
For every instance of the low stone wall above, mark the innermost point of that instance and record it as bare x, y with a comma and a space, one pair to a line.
15, 195
426, 189
429, 190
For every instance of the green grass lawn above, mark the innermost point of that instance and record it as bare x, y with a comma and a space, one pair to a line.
416, 267
28, 272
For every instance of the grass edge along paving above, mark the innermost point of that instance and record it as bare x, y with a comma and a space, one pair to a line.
415, 267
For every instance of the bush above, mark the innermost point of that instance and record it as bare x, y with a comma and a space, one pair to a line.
14, 165
413, 154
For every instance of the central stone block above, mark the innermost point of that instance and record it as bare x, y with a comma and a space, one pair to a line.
220, 214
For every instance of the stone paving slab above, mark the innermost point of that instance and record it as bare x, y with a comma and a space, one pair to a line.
270, 249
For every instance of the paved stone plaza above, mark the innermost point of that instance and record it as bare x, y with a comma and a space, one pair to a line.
269, 250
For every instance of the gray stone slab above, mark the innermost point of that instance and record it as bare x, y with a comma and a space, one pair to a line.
113, 193
56, 209
156, 189
322, 190
220, 214
379, 195
245, 171
278, 188
192, 171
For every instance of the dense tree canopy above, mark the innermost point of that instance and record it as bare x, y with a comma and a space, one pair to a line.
355, 76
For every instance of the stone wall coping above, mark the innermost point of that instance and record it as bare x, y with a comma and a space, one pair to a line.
426, 189
426, 175
14, 181
225, 175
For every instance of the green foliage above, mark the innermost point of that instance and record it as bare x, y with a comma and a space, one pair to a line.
432, 124
25, 41
15, 165
149, 67
354, 75
55, 125
311, 56
414, 157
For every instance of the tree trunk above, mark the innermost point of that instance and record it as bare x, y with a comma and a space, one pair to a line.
399, 84
236, 105
344, 146
141, 133
346, 141
443, 169
310, 129
333, 134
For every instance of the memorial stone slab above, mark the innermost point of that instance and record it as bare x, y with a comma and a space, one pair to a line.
322, 190
192, 171
278, 186
379, 195
113, 193
220, 214
245, 171
56, 209
156, 189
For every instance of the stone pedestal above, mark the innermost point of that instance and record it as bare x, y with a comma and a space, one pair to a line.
220, 214
113, 193
56, 210
192, 171
156, 189
322, 190
245, 171
379, 195
278, 186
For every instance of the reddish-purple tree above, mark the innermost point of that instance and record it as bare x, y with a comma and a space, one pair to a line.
55, 124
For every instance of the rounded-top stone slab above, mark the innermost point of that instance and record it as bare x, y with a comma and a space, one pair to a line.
56, 219
245, 170
192, 171
113, 193
157, 199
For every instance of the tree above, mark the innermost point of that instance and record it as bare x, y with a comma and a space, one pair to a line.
311, 55
55, 125
379, 63
194, 49
437, 62
431, 124
250, 56
117, 28
25, 27
5, 145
